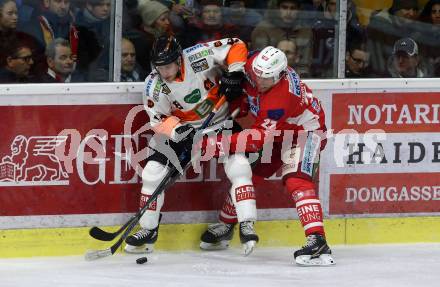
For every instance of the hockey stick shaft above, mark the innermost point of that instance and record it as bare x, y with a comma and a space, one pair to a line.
103, 235
171, 176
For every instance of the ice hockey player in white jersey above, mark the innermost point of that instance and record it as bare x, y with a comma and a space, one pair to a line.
179, 94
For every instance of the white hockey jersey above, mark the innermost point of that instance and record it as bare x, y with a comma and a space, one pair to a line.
192, 96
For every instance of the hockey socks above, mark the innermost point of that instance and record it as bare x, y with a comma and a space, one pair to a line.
307, 204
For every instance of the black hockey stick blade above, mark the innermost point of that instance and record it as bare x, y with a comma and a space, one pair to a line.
103, 235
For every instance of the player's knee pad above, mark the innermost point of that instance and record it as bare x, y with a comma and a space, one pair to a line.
239, 172
152, 175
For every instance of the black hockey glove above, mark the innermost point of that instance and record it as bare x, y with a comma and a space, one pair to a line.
185, 137
230, 85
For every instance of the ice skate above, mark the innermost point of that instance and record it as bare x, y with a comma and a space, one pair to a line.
315, 253
217, 237
248, 237
142, 241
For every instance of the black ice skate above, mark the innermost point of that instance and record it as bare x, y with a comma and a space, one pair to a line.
143, 240
217, 237
248, 237
315, 253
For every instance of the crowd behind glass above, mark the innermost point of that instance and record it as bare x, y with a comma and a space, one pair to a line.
55, 41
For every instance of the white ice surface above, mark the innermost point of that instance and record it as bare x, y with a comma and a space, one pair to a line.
372, 266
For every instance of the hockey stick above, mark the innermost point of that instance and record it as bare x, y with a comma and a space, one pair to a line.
103, 235
164, 184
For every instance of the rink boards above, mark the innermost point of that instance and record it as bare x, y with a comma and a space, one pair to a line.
68, 157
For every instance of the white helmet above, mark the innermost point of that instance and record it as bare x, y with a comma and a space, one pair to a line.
271, 62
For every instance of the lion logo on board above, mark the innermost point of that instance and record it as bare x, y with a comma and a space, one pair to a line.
33, 159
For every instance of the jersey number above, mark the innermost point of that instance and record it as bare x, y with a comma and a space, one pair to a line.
269, 124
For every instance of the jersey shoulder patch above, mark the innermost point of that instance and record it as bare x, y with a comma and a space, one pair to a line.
294, 82
153, 86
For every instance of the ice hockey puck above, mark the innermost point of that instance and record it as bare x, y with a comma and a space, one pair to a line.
142, 260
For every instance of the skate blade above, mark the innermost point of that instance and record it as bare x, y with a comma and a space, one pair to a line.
249, 247
222, 245
143, 249
322, 260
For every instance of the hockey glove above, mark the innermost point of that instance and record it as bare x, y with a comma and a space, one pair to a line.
185, 138
230, 85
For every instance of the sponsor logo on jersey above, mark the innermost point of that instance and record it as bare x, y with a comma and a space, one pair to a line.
218, 43
204, 108
294, 83
150, 104
201, 54
156, 90
316, 106
200, 66
208, 84
275, 114
193, 97
254, 105
148, 86
165, 89
190, 49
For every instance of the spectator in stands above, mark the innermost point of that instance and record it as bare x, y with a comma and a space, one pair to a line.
389, 25
16, 63
212, 26
324, 31
178, 13
130, 71
405, 61
154, 23
94, 46
431, 13
282, 23
54, 22
60, 62
240, 14
431, 16
357, 61
8, 15
9, 34
290, 48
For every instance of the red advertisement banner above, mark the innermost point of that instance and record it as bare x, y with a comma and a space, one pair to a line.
72, 160
384, 193
388, 111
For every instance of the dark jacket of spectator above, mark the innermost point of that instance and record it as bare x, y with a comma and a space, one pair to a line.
386, 27
49, 26
94, 46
